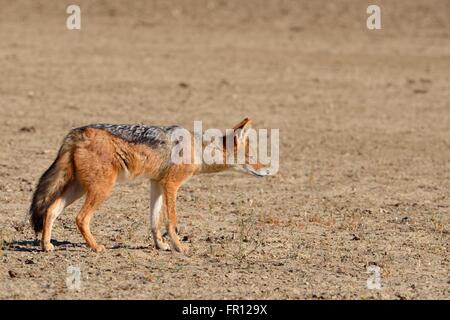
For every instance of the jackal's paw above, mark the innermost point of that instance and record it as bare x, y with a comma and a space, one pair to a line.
181, 248
47, 247
99, 248
161, 245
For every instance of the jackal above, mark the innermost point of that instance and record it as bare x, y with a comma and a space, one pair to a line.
92, 158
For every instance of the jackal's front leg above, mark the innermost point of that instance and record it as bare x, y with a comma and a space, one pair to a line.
156, 218
170, 198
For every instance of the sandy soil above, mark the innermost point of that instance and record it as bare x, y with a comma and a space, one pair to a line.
364, 119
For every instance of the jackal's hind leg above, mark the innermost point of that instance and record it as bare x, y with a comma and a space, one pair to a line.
72, 193
95, 196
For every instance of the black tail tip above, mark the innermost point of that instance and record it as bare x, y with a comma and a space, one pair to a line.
37, 222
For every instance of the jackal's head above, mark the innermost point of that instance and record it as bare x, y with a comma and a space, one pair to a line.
243, 140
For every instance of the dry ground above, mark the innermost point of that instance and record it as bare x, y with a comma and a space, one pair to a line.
364, 119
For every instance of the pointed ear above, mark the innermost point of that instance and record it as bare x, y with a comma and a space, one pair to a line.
244, 124
240, 130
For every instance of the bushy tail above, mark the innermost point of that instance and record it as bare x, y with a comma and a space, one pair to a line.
52, 184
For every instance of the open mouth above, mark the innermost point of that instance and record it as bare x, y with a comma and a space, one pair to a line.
257, 174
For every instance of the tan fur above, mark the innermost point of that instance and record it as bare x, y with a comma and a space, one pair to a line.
96, 159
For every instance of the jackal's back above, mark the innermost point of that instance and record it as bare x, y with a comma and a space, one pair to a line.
152, 136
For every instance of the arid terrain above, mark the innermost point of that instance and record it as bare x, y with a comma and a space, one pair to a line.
364, 119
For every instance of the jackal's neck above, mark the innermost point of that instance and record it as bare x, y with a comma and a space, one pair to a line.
211, 168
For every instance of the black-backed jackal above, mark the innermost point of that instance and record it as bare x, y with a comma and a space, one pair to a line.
93, 157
